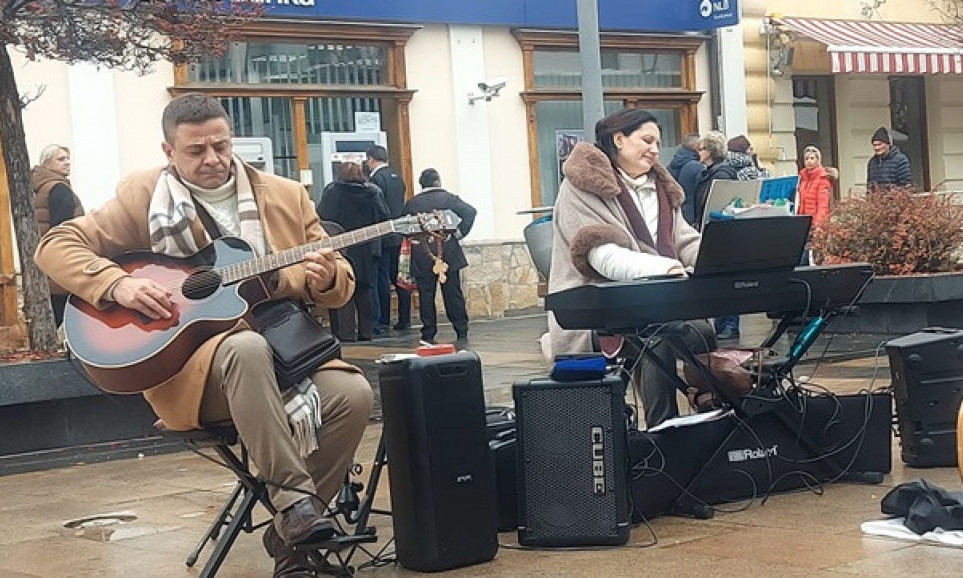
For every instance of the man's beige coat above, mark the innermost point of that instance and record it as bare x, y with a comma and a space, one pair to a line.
77, 255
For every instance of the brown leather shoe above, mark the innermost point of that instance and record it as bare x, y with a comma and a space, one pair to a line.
288, 563
303, 522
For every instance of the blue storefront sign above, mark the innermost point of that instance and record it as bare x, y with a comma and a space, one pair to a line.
647, 15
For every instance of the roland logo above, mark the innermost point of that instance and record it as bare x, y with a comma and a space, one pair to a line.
598, 461
744, 455
745, 285
464, 479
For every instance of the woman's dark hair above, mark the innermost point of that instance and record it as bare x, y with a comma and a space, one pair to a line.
625, 121
350, 172
429, 178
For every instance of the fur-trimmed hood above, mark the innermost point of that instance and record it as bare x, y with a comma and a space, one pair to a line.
41, 175
587, 215
589, 170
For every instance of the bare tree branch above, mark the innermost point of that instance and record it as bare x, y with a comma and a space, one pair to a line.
120, 34
26, 98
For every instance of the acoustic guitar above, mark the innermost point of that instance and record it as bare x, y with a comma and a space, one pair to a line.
959, 441
124, 351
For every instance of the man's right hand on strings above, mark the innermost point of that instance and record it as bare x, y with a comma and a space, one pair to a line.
143, 295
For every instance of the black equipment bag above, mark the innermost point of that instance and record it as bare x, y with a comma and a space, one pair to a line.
301, 344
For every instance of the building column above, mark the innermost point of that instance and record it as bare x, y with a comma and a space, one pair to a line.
732, 81
769, 100
471, 137
95, 157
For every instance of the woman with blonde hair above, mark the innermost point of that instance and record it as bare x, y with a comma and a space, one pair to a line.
815, 187
55, 202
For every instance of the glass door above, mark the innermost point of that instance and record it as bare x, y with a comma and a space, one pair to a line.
266, 117
334, 115
907, 105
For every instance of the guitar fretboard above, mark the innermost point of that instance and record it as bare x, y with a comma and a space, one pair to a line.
254, 267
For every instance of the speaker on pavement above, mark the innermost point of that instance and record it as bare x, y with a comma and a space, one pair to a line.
572, 475
501, 442
443, 501
927, 372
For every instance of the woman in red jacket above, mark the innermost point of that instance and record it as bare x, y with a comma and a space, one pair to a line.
815, 188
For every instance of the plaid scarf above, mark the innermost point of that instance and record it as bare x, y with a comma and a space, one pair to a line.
172, 211
302, 403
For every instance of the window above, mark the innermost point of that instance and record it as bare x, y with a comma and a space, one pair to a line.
646, 71
267, 117
291, 81
268, 62
560, 127
907, 107
620, 69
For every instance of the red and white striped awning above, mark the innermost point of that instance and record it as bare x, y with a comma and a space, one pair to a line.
884, 47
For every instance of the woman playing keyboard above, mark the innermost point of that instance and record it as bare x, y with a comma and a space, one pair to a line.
617, 217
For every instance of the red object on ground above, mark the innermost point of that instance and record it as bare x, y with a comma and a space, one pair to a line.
439, 349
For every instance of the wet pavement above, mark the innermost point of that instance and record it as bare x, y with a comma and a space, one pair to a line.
141, 517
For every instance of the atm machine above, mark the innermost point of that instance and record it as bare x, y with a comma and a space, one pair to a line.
255, 151
338, 147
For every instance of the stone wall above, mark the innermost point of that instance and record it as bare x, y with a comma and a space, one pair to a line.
500, 279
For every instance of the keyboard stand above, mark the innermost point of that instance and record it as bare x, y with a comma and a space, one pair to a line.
765, 396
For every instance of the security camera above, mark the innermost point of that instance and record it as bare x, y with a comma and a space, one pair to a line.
493, 85
489, 89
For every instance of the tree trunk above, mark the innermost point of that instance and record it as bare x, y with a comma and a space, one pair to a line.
36, 291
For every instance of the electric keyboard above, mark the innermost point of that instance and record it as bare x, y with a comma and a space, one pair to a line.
626, 306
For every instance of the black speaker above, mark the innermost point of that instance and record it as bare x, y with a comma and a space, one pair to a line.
572, 462
443, 503
686, 468
927, 372
502, 443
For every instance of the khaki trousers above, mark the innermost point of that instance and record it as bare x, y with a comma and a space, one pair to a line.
241, 388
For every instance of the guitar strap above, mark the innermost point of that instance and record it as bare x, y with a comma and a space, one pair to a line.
213, 231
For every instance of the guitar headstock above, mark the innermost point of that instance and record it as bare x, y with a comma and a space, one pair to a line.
444, 221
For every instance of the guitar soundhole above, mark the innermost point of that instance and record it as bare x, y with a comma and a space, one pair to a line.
201, 284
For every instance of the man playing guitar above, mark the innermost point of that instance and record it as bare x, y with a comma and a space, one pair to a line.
229, 376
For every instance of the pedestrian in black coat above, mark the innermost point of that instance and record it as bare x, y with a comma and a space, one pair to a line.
393, 188
888, 167
353, 204
686, 168
423, 252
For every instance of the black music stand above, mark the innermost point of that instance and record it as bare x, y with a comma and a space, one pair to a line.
355, 511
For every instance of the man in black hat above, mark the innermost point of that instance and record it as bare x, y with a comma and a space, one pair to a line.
888, 167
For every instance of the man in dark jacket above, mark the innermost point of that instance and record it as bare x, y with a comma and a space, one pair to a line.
425, 265
888, 167
687, 168
393, 188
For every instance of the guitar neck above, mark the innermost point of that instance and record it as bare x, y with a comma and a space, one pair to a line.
253, 267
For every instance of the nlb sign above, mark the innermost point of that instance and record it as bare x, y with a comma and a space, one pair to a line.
715, 10
629, 15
